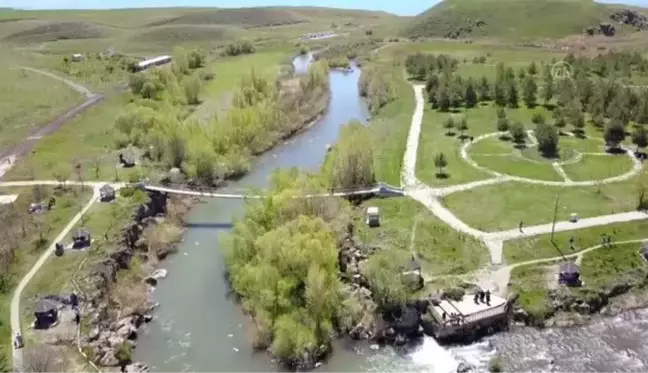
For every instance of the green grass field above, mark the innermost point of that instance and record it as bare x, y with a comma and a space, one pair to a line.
441, 249
540, 247
28, 101
598, 167
87, 139
507, 19
530, 282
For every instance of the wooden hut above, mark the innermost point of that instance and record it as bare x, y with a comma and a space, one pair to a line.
106, 193
569, 274
373, 216
46, 313
81, 239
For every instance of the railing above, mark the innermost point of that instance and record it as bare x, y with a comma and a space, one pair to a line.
246, 193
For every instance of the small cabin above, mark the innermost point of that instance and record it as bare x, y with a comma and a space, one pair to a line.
569, 274
46, 313
77, 57
106, 193
373, 217
81, 239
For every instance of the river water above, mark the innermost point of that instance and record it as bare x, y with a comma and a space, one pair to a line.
199, 328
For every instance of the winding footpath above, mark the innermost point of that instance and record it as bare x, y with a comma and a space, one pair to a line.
17, 355
494, 241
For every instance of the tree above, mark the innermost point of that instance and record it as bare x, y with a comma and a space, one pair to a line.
548, 88
440, 162
443, 98
640, 137
502, 124
353, 158
61, 173
522, 74
96, 165
456, 92
576, 117
501, 112
484, 89
431, 86
614, 133
322, 295
449, 124
192, 90
499, 93
560, 121
517, 132
566, 91
512, 94
470, 97
537, 118
533, 68
598, 121
548, 138
530, 91
462, 125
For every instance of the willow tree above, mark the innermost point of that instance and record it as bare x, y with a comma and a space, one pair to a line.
353, 158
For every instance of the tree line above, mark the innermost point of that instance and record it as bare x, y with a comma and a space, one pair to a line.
262, 112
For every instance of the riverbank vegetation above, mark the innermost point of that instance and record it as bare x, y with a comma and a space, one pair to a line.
262, 113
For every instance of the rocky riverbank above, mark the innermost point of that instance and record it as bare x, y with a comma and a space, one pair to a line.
568, 307
116, 300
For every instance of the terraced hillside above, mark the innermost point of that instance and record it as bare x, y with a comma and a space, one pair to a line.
510, 19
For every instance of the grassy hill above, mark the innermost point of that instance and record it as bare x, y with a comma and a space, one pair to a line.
508, 19
137, 30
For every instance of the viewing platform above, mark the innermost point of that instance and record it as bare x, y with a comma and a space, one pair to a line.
466, 319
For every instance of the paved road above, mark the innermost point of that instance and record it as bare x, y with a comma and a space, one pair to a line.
17, 361
9, 158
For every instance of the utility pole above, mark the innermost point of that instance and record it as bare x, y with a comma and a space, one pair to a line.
553, 226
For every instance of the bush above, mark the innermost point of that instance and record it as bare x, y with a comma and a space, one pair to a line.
239, 48
120, 140
455, 294
124, 354
495, 365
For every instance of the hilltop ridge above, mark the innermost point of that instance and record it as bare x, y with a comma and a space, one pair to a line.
511, 19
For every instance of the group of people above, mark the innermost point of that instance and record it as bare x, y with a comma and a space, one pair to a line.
455, 318
482, 297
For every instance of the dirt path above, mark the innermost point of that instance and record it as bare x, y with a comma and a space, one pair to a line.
17, 361
9, 158
77, 87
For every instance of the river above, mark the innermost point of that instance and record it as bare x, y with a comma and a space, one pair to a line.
199, 328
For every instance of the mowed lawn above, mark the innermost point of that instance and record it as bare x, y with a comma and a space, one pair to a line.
481, 120
540, 247
442, 250
28, 101
598, 167
503, 206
